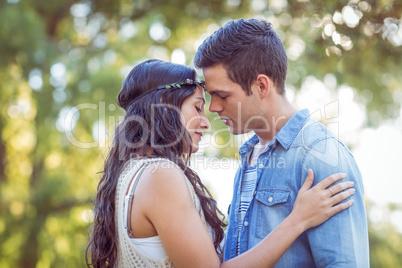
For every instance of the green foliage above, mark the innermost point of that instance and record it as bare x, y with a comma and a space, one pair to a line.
60, 54
384, 239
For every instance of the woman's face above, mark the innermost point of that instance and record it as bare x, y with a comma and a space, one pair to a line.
193, 116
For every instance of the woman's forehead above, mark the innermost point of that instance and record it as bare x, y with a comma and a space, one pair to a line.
198, 95
199, 92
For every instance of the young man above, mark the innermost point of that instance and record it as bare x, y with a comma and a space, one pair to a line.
244, 65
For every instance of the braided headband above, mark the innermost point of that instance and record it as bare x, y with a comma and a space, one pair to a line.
187, 82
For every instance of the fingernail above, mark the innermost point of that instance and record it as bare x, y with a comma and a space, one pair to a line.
352, 183
353, 190
343, 175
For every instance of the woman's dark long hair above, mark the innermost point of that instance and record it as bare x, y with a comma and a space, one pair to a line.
151, 124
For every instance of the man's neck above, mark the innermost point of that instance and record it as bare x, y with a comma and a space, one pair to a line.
279, 113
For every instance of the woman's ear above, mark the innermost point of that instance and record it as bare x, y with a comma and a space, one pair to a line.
264, 84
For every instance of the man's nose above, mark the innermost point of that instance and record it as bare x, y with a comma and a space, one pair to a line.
215, 106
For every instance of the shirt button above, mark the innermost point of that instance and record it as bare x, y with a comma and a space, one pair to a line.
246, 223
270, 199
255, 192
261, 166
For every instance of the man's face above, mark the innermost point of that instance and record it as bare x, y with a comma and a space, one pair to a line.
230, 101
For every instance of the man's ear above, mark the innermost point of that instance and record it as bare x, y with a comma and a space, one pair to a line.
265, 85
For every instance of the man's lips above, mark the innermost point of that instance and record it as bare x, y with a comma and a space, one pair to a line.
225, 120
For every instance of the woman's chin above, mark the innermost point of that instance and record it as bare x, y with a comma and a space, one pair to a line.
195, 148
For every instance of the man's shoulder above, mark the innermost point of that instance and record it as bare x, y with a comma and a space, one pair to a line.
322, 145
312, 133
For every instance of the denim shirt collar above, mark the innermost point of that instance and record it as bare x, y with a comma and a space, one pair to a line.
285, 136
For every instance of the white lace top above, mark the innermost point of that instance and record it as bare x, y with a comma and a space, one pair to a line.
128, 254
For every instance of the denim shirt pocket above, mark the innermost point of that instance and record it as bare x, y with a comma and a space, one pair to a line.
272, 208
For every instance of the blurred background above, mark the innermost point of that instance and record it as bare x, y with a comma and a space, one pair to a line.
62, 63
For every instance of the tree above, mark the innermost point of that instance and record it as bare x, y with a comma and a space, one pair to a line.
66, 59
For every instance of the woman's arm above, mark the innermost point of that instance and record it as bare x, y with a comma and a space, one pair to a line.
163, 198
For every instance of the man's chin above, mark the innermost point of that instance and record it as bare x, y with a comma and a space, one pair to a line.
235, 131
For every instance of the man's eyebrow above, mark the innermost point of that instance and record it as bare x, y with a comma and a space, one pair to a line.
218, 91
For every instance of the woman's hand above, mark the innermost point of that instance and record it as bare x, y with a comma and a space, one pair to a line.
316, 205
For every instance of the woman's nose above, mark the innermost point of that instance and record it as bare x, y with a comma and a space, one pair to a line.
204, 122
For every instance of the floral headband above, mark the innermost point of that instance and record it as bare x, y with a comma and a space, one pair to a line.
187, 82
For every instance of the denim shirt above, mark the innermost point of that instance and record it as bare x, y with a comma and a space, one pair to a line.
302, 143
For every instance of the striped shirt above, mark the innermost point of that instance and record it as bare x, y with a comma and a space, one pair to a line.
246, 195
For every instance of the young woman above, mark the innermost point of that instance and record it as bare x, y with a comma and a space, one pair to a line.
152, 210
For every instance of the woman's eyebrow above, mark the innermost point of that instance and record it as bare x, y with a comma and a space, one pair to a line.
201, 99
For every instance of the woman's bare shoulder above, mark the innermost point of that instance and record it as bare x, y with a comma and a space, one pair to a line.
163, 178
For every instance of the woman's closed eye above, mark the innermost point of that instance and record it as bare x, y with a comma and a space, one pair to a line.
200, 107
